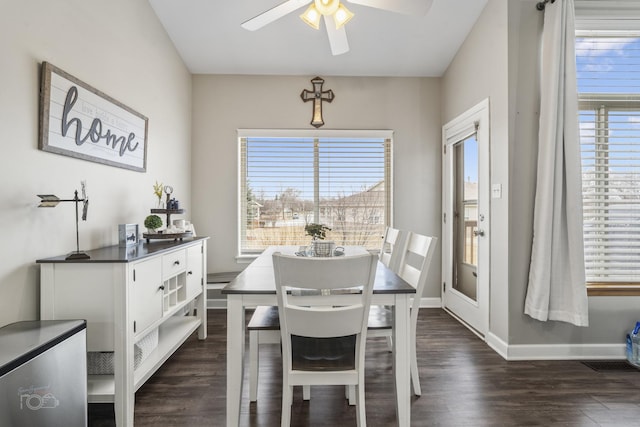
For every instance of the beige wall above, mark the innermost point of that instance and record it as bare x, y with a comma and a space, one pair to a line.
120, 48
478, 71
221, 104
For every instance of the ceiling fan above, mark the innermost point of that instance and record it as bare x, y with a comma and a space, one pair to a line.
335, 15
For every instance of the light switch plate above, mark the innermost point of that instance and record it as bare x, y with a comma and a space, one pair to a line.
496, 191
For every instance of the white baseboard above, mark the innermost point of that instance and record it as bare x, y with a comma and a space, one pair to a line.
613, 351
431, 302
217, 304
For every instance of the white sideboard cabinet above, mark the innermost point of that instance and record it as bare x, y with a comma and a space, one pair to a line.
125, 295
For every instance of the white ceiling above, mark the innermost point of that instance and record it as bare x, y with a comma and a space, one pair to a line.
208, 36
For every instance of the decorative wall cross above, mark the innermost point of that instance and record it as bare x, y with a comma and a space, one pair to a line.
317, 95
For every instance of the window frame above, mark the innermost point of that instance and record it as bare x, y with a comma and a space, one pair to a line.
609, 103
604, 19
309, 133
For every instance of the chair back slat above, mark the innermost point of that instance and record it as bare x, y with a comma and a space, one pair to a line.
314, 322
415, 263
323, 273
391, 250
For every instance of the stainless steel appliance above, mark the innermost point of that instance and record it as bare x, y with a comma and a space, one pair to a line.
43, 374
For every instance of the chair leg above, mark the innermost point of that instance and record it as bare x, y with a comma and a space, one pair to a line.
361, 416
253, 365
287, 395
415, 377
306, 392
351, 394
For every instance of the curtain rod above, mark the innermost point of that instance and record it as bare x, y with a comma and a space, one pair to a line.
542, 4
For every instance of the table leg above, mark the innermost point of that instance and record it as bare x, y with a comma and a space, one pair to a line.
235, 357
401, 362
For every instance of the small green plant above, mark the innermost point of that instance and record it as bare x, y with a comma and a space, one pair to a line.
317, 231
152, 222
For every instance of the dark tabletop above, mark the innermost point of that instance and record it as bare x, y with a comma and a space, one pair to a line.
258, 277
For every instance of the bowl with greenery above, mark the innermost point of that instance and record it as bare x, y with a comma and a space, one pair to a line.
152, 222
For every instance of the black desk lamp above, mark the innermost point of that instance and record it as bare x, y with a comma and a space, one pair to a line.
51, 201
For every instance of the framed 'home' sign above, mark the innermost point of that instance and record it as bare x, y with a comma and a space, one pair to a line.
79, 121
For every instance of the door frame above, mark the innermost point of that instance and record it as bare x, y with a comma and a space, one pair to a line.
473, 313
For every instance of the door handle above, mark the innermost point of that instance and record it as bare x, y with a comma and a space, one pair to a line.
478, 233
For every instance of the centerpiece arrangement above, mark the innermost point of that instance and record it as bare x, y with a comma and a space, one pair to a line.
318, 233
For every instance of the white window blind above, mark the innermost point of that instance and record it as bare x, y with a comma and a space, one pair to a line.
288, 181
609, 94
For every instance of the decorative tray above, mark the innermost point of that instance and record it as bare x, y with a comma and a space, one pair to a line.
166, 236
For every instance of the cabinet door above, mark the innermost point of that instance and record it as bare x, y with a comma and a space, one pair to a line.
146, 293
194, 271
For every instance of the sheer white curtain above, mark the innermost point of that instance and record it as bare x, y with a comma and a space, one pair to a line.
557, 288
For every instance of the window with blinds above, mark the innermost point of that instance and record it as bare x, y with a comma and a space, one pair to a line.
608, 71
289, 179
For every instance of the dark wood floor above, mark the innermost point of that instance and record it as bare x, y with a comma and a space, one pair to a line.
464, 383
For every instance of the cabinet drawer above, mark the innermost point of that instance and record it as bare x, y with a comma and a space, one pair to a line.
173, 263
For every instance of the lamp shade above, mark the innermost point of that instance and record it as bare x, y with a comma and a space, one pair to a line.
342, 16
311, 17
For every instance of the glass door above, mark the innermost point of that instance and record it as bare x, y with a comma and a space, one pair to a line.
465, 229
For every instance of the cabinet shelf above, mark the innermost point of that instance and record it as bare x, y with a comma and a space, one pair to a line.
171, 335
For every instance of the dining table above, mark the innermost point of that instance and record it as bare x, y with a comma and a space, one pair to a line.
255, 285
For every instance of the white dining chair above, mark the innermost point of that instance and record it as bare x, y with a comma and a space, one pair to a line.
264, 328
389, 250
416, 254
393, 246
323, 305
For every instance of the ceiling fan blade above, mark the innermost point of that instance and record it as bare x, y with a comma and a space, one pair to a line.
272, 14
337, 37
408, 7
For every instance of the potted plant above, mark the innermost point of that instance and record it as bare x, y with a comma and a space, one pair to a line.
152, 222
319, 232
316, 231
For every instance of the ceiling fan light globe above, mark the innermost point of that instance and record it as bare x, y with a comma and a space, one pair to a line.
311, 17
342, 16
327, 7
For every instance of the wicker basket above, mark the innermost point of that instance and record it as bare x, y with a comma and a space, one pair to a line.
323, 248
101, 362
